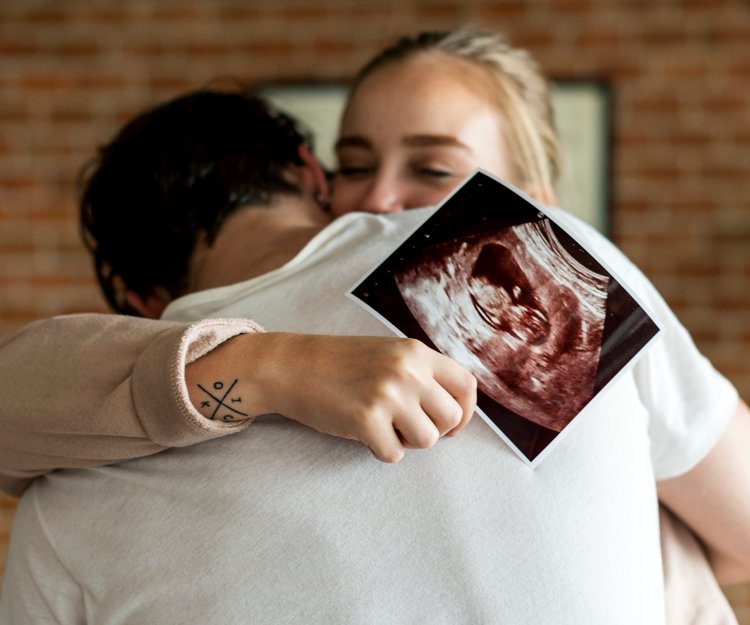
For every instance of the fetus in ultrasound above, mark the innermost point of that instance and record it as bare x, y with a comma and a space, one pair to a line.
504, 297
520, 312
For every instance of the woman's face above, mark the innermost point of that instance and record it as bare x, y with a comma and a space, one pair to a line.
412, 132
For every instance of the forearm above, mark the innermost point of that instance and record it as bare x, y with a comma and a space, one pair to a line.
714, 500
115, 388
88, 390
386, 392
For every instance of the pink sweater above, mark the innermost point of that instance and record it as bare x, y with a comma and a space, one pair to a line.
94, 389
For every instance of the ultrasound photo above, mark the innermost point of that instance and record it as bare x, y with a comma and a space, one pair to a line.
493, 282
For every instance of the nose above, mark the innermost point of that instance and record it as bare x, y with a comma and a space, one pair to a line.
384, 195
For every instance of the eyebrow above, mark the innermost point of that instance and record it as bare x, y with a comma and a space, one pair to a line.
412, 141
353, 141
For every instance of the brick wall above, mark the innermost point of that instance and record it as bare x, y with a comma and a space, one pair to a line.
71, 72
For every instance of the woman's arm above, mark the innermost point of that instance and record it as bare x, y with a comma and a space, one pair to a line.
691, 592
90, 390
94, 389
713, 498
386, 392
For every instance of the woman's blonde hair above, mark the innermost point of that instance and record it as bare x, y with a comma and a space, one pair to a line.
521, 92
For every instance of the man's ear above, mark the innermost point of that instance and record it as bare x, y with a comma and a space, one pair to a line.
150, 306
315, 175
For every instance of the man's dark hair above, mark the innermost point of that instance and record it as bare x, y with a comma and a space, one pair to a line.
173, 174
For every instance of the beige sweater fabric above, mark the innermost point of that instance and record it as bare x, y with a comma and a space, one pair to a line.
692, 595
94, 389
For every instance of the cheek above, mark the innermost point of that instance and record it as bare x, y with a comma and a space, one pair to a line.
420, 196
353, 195
346, 196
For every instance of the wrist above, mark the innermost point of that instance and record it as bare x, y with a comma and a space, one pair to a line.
240, 379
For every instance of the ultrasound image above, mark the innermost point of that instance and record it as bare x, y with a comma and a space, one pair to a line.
493, 282
517, 311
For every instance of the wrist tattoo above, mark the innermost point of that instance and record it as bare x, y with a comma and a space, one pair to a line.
225, 410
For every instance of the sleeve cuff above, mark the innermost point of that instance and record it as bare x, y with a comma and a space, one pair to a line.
160, 394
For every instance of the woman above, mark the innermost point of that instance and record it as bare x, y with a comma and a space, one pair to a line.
424, 113
420, 116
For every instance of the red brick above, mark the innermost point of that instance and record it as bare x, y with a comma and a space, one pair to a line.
71, 116
245, 12
270, 48
78, 49
690, 138
48, 15
330, 47
502, 11
208, 48
12, 47
440, 12
112, 15
663, 34
301, 13
180, 12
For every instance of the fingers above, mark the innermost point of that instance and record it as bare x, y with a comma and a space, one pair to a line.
385, 444
460, 385
389, 432
416, 429
431, 396
391, 394
442, 409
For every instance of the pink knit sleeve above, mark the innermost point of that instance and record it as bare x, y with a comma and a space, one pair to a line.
94, 389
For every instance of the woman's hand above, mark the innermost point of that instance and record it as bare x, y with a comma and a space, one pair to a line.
389, 393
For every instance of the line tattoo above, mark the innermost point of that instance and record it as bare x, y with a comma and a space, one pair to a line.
220, 403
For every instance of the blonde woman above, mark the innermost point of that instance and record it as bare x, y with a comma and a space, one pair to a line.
419, 117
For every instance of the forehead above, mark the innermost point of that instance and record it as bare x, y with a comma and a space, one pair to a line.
427, 90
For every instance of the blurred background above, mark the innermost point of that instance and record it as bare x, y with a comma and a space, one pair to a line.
676, 171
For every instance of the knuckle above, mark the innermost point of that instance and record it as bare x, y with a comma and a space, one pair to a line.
391, 456
426, 438
368, 422
469, 383
383, 395
455, 416
399, 379
409, 350
369, 417
413, 344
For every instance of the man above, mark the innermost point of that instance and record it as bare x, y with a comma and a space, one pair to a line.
151, 211
297, 526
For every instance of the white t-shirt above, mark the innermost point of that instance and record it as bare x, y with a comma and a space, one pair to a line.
281, 524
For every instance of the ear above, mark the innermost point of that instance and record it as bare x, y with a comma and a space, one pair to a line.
314, 175
150, 306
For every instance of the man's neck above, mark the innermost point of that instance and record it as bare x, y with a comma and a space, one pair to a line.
251, 242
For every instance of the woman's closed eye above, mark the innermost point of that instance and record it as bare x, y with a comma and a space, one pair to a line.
437, 164
354, 171
434, 172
